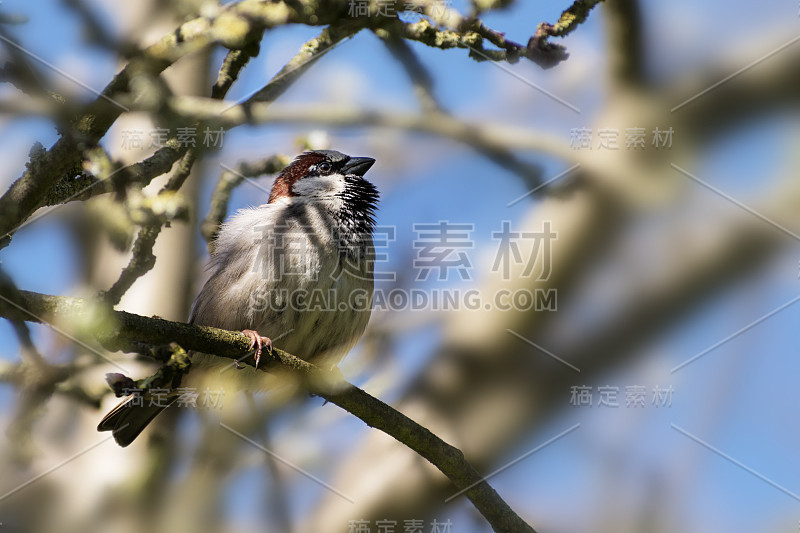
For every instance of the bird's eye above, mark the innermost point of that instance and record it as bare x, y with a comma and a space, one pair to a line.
324, 167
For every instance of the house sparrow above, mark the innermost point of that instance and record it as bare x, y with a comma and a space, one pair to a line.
298, 268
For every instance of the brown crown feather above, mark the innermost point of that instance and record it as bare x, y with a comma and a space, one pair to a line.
282, 188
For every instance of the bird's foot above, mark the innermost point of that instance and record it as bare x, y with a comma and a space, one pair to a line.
258, 342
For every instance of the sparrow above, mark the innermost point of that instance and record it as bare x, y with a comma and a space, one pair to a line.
298, 269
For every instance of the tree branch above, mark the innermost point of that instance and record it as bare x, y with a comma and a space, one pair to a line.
423, 89
233, 27
120, 330
484, 135
623, 22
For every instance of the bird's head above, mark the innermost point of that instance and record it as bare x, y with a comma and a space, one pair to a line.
333, 178
320, 174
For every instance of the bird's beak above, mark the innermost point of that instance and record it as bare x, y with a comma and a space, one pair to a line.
357, 166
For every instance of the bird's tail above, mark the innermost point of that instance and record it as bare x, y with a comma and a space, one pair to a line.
130, 417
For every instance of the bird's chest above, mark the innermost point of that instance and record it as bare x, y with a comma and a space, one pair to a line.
314, 296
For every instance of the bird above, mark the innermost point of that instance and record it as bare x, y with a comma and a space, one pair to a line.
298, 268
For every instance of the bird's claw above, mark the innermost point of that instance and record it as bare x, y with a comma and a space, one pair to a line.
258, 342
